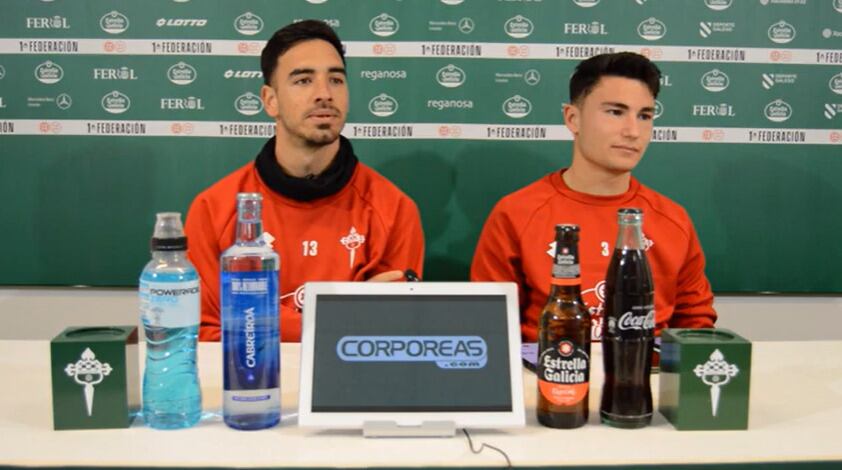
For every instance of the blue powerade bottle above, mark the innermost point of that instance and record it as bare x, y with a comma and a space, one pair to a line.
250, 331
169, 306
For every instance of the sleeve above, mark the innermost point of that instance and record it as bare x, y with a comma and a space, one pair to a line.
497, 256
694, 298
405, 246
203, 251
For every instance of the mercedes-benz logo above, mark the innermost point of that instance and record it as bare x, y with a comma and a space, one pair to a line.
466, 25
532, 77
64, 101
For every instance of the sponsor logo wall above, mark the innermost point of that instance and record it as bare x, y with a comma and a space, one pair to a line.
449, 70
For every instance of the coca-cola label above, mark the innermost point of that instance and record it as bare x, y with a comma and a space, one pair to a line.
563, 373
636, 321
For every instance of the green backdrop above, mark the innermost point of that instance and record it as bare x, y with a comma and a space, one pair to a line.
111, 111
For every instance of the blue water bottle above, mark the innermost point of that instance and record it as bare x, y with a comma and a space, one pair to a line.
169, 308
251, 397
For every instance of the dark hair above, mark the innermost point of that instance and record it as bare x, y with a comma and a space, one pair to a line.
292, 34
619, 64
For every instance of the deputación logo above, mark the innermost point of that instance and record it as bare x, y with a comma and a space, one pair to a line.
248, 104
718, 5
778, 111
384, 25
781, 32
116, 102
517, 107
715, 80
182, 74
835, 83
383, 105
49, 72
652, 29
248, 24
450, 76
518, 27
114, 22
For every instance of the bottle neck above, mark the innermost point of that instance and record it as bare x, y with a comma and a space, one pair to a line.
568, 291
630, 236
169, 256
249, 223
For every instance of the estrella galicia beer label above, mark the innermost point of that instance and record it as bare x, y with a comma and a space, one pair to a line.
563, 373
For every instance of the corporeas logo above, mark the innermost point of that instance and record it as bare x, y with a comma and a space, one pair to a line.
114, 22
384, 25
778, 111
383, 105
517, 107
248, 104
182, 74
518, 27
652, 29
248, 24
715, 80
49, 72
450, 76
781, 32
448, 352
116, 102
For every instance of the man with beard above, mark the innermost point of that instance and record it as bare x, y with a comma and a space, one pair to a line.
331, 217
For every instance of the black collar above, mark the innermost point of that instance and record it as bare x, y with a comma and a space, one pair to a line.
329, 182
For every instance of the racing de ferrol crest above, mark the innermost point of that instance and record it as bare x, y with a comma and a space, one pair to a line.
352, 241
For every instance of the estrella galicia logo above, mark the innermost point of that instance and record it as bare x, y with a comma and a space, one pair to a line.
715, 80
116, 102
718, 5
518, 27
781, 32
248, 24
182, 74
452, 2
383, 105
316, 2
450, 76
778, 111
517, 107
248, 104
835, 83
384, 25
114, 22
448, 352
49, 73
652, 29
837, 5
586, 3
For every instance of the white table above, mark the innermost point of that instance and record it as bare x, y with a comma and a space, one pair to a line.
796, 415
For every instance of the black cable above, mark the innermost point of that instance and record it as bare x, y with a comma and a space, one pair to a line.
483, 446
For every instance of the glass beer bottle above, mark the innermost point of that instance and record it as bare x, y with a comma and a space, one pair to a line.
564, 340
629, 328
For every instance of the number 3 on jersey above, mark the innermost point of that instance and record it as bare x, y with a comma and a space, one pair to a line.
310, 247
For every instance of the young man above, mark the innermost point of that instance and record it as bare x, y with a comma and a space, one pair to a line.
612, 105
332, 218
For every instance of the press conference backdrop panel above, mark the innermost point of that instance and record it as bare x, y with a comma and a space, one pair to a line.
111, 111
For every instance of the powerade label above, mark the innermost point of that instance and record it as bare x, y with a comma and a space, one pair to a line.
564, 373
169, 304
250, 336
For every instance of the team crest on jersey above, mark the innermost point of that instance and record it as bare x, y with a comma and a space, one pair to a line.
297, 297
352, 241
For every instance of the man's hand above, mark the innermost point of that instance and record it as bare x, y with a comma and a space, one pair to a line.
388, 276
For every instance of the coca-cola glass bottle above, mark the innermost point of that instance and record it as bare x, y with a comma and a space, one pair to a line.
628, 332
